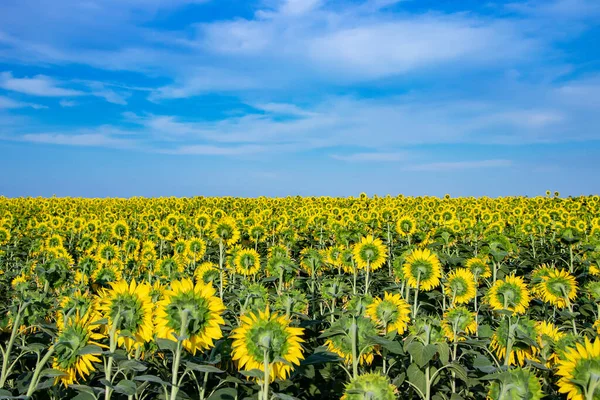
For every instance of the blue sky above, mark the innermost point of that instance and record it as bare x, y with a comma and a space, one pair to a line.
299, 97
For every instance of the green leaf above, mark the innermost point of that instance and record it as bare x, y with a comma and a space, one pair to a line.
224, 394
485, 331
90, 349
52, 373
460, 371
332, 332
392, 346
151, 378
416, 376
321, 357
253, 373
166, 344
285, 396
126, 387
132, 365
203, 368
483, 364
444, 351
84, 396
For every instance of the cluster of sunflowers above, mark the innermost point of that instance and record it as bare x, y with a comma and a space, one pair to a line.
300, 298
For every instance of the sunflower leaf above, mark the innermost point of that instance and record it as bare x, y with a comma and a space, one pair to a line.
253, 373
202, 368
126, 387
224, 394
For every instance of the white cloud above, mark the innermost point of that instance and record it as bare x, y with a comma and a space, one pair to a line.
39, 85
371, 157
86, 140
459, 165
210, 150
67, 103
7, 103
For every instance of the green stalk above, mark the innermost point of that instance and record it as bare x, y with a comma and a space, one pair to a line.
367, 277
35, 380
177, 358
416, 301
6, 353
267, 375
221, 263
112, 349
354, 339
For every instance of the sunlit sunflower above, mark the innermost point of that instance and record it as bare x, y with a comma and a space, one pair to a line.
460, 286
457, 322
73, 335
369, 251
267, 338
370, 386
208, 273
548, 336
393, 312
128, 307
509, 294
522, 350
479, 267
4, 236
247, 262
579, 371
516, 383
193, 311
342, 344
558, 288
77, 303
195, 249
107, 272
422, 269
406, 226
226, 230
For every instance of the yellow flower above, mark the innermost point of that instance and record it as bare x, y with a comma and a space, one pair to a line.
130, 307
509, 294
558, 288
460, 286
393, 312
73, 335
193, 311
579, 371
369, 251
267, 337
422, 269
458, 320
479, 267
247, 262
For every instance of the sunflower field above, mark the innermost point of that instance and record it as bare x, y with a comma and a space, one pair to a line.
300, 298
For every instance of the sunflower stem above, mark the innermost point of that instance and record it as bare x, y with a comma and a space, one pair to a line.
6, 354
221, 262
354, 340
416, 300
267, 374
367, 277
112, 349
177, 356
35, 379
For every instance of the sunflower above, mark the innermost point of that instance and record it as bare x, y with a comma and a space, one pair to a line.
579, 371
458, 320
521, 349
559, 288
207, 273
509, 294
342, 344
370, 386
128, 307
406, 226
267, 338
195, 249
77, 303
73, 335
516, 383
247, 262
371, 252
422, 269
4, 236
479, 267
194, 306
548, 337
460, 286
393, 312
226, 230
107, 272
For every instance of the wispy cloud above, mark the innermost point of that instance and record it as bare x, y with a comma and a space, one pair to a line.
459, 165
8, 103
67, 103
371, 157
39, 85
84, 140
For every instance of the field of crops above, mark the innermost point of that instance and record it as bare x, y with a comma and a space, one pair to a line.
354, 298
